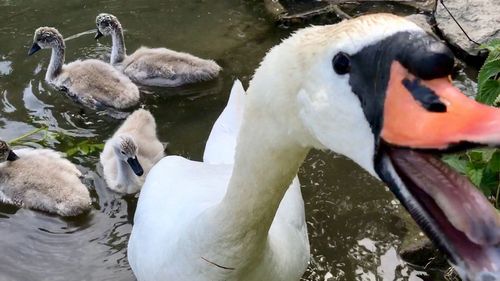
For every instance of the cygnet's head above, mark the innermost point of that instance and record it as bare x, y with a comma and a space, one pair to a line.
45, 38
126, 150
106, 24
6, 154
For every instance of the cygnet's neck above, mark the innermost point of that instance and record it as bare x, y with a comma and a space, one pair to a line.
124, 174
56, 62
118, 51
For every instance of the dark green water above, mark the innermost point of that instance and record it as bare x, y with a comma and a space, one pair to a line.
353, 226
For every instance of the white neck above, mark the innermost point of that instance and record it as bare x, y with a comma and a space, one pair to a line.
56, 63
118, 51
266, 161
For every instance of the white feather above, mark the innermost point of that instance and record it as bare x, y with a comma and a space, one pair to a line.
221, 143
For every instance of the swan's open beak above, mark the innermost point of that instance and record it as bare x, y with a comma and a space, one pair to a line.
434, 114
35, 48
136, 166
12, 156
98, 34
422, 117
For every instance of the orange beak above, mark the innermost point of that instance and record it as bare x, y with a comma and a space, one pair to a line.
408, 123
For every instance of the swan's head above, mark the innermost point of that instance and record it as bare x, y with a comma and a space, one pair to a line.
377, 90
106, 25
46, 38
6, 154
126, 150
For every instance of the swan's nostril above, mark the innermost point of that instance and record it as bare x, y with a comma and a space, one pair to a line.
424, 95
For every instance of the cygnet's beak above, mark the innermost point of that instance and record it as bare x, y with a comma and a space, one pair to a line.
136, 166
35, 48
98, 34
12, 156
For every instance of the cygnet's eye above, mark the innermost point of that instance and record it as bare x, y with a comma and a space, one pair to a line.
122, 152
46, 38
341, 63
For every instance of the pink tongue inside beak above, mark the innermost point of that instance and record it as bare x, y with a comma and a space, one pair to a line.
466, 208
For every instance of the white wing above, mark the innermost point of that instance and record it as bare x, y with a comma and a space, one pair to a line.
221, 143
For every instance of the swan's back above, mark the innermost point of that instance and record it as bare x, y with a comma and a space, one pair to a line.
164, 67
97, 83
221, 143
41, 179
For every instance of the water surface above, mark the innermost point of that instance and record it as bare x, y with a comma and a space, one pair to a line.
353, 223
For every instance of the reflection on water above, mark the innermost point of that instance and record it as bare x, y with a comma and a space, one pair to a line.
38, 246
353, 227
354, 231
5, 67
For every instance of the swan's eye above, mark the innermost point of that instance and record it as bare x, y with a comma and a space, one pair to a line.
122, 152
341, 63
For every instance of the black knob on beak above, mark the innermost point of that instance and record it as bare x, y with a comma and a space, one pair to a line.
427, 58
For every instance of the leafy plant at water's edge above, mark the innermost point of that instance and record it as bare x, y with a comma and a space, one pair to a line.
23, 139
488, 80
482, 166
84, 147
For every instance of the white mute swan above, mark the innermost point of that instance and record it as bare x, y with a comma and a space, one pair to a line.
128, 156
157, 66
90, 82
41, 179
375, 89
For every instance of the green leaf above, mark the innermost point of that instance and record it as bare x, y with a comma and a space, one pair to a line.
489, 182
497, 102
475, 175
72, 151
493, 47
475, 156
460, 165
487, 80
487, 153
85, 148
99, 146
489, 92
494, 163
488, 89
